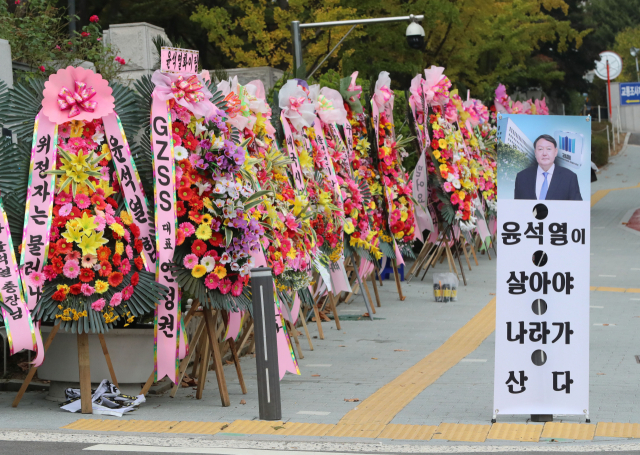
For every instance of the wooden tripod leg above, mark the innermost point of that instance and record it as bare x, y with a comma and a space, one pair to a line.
317, 314
236, 360
464, 278
423, 253
107, 357
452, 263
466, 255
366, 289
397, 277
245, 336
334, 310
217, 358
473, 251
306, 330
199, 349
294, 333
432, 261
32, 370
184, 363
85, 373
204, 368
375, 288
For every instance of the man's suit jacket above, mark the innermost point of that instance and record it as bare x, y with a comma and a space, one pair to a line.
564, 185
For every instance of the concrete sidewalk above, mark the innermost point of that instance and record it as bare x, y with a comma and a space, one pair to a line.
417, 383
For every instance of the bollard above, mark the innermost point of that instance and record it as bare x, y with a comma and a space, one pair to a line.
266, 344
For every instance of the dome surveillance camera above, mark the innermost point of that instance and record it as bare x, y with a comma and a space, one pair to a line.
415, 36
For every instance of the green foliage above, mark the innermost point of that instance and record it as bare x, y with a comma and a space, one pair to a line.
625, 40
599, 144
37, 33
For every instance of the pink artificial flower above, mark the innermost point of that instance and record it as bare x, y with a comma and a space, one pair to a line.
188, 229
89, 260
448, 187
73, 256
116, 299
110, 219
127, 236
82, 201
104, 173
110, 210
125, 267
129, 251
127, 292
49, 272
98, 305
87, 289
236, 288
71, 269
37, 279
63, 198
190, 261
278, 268
212, 281
225, 286
64, 130
176, 140
101, 222
65, 209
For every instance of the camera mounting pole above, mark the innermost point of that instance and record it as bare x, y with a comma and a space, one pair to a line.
297, 38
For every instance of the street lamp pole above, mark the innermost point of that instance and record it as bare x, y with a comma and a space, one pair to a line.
634, 53
296, 27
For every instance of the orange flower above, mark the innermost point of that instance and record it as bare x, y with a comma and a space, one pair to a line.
104, 253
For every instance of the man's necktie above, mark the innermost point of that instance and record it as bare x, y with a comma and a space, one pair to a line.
545, 187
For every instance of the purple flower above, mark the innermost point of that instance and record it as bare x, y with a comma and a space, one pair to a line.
209, 156
205, 144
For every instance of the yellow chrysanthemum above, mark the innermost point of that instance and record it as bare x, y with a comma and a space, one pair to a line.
203, 232
220, 270
198, 271
126, 218
119, 248
348, 227
206, 219
101, 286
117, 228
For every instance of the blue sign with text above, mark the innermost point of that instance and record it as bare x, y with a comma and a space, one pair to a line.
629, 93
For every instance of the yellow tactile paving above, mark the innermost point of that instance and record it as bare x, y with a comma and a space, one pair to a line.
304, 429
197, 427
568, 430
147, 426
95, 425
254, 427
462, 432
618, 430
515, 432
390, 399
366, 430
413, 432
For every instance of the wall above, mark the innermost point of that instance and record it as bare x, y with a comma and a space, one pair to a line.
629, 115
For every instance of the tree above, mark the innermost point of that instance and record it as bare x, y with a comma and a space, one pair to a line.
625, 40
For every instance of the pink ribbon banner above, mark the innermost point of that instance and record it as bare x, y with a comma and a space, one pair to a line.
20, 331
134, 197
167, 321
174, 60
296, 170
286, 358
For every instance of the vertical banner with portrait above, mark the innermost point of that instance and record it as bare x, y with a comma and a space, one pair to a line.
542, 308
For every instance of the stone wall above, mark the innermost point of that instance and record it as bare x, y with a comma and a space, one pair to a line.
269, 76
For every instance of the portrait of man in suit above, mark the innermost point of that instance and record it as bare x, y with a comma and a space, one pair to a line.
545, 180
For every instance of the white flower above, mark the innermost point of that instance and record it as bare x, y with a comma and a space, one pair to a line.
235, 266
229, 212
456, 184
219, 143
98, 137
219, 188
225, 259
180, 153
219, 203
202, 187
208, 262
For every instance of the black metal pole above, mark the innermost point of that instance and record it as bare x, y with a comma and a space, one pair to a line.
266, 345
71, 5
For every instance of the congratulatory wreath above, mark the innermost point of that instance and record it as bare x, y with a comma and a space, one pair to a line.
83, 255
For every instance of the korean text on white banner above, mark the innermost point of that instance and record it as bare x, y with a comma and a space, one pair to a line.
542, 307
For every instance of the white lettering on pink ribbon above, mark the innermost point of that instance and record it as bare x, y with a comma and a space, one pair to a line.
134, 197
168, 311
20, 330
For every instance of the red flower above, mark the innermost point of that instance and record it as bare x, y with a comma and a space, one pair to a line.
86, 275
105, 268
199, 248
75, 289
185, 194
216, 239
42, 68
115, 279
97, 200
94, 18
59, 295
190, 142
178, 128
104, 253
116, 259
63, 247
195, 216
135, 230
139, 263
135, 279
57, 265
112, 202
85, 34
180, 210
179, 237
127, 292
138, 245
184, 183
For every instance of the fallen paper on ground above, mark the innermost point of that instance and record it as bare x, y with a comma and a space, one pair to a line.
106, 400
